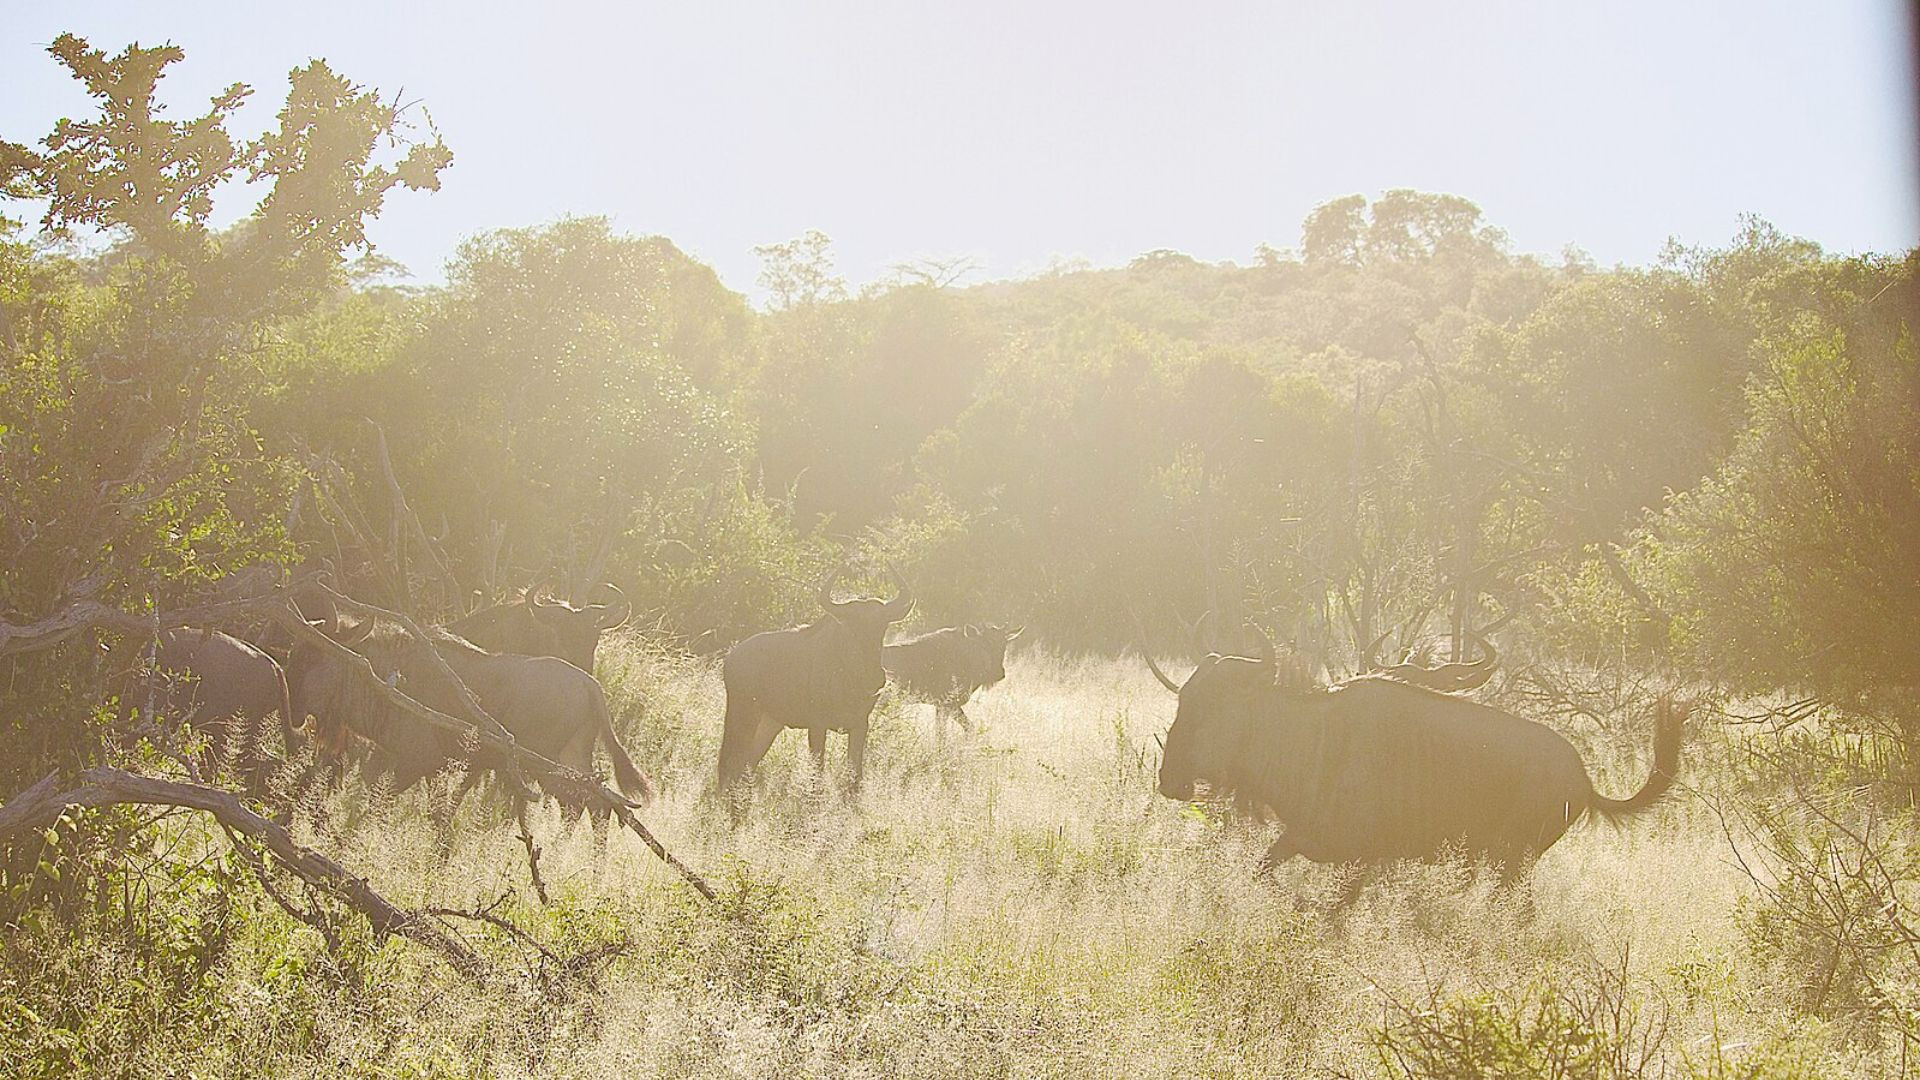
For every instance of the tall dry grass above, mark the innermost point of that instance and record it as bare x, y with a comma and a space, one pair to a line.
1018, 903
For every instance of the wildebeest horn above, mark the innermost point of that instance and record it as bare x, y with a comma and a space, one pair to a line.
608, 621
902, 603
1016, 631
541, 594
1370, 660
1267, 656
1157, 673
1449, 678
1488, 654
1475, 675
1204, 637
1140, 645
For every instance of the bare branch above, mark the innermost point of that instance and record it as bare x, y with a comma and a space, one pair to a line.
41, 805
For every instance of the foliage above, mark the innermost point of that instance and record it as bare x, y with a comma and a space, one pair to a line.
1548, 1032
1789, 563
132, 471
1833, 913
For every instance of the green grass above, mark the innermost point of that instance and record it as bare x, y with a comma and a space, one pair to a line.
1019, 904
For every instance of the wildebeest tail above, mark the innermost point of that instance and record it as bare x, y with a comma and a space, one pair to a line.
625, 773
1667, 721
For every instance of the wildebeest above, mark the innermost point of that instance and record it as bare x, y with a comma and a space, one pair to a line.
1374, 769
550, 706
538, 625
823, 677
224, 687
944, 668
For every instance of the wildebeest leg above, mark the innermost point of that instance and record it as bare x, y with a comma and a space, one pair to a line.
1516, 881
293, 737
857, 752
744, 740
467, 784
1281, 850
601, 820
944, 712
318, 777
440, 807
250, 756
1356, 876
742, 746
817, 745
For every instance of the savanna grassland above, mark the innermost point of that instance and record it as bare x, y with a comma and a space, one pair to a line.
1017, 903
1695, 480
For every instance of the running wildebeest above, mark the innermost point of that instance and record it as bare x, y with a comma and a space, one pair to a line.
550, 706
823, 677
1374, 769
538, 625
946, 667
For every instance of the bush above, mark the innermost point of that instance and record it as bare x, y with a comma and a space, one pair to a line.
1589, 1029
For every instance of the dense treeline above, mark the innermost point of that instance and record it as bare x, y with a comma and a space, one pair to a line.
1404, 425
1709, 466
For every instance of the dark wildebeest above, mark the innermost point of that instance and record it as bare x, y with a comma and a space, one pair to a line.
823, 677
550, 706
538, 625
224, 687
1373, 769
946, 667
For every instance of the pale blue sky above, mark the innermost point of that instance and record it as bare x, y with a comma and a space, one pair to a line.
1015, 132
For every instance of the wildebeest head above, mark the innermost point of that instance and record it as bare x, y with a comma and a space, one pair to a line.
319, 686
1218, 703
536, 624
866, 617
989, 646
574, 632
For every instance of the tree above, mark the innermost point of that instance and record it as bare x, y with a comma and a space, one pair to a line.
799, 273
1792, 566
131, 473
1332, 233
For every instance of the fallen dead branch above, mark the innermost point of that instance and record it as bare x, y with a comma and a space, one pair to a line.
42, 804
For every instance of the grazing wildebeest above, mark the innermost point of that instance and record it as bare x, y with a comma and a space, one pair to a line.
224, 686
946, 667
550, 706
1373, 769
538, 625
823, 677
